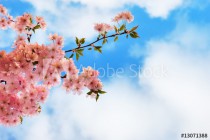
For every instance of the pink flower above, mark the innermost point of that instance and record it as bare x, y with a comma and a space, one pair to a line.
3, 23
127, 16
95, 85
10, 21
3, 10
53, 37
102, 27
24, 20
69, 67
39, 19
2, 54
58, 66
59, 41
68, 84
20, 40
107, 27
41, 22
29, 71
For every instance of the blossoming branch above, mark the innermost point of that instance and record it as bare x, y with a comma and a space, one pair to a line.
30, 70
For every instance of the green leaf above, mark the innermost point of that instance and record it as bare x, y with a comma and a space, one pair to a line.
31, 20
105, 33
115, 28
72, 55
134, 34
99, 36
116, 38
77, 40
77, 56
122, 27
98, 49
97, 97
37, 27
104, 41
21, 119
80, 51
89, 93
82, 41
101, 92
134, 28
33, 30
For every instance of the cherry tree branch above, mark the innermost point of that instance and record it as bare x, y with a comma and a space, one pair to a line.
90, 44
99, 39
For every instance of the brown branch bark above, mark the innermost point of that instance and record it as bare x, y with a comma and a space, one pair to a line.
88, 45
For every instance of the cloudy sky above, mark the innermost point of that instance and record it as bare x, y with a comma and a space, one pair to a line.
158, 86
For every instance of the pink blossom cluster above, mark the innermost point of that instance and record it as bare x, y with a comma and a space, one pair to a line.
41, 22
22, 92
3, 10
123, 16
102, 27
75, 83
22, 24
31, 70
5, 20
126, 16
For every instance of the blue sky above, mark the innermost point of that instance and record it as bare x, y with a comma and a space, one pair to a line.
163, 91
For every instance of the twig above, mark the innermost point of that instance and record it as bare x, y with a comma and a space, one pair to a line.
88, 45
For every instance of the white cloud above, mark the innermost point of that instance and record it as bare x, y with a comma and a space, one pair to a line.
156, 8
73, 18
70, 21
137, 51
37, 131
5, 38
185, 54
160, 8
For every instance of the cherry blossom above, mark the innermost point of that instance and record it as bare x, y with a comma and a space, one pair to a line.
3, 10
127, 16
102, 27
30, 70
